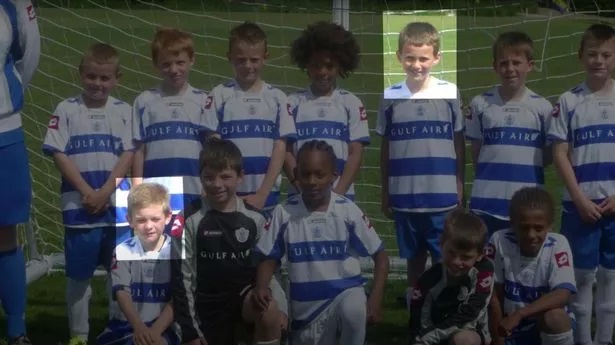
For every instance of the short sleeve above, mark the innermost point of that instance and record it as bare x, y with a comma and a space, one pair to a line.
472, 118
381, 120
458, 118
29, 41
287, 123
363, 237
562, 272
120, 274
213, 107
493, 253
272, 243
545, 115
558, 122
357, 120
57, 136
126, 132
138, 129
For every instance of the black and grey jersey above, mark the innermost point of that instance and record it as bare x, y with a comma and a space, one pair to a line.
440, 307
213, 258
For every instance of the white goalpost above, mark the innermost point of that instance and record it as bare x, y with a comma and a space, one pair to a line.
67, 31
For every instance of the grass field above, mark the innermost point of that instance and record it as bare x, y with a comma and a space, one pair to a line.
68, 32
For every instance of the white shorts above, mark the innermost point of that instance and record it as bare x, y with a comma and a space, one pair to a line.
346, 316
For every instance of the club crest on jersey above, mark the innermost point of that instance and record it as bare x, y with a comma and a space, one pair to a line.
363, 113
510, 120
316, 232
420, 111
97, 126
321, 113
54, 122
562, 259
252, 109
31, 12
242, 234
605, 114
177, 229
556, 110
209, 102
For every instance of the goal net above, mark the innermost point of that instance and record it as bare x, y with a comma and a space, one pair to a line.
68, 27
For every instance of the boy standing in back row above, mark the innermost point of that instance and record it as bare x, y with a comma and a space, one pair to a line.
422, 152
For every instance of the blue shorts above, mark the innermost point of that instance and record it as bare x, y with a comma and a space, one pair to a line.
16, 185
86, 249
417, 232
594, 244
493, 223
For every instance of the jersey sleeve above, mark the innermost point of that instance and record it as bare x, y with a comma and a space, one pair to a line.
458, 118
357, 120
558, 122
57, 136
545, 115
493, 253
126, 130
468, 311
287, 128
472, 120
120, 272
362, 235
138, 129
272, 244
381, 119
183, 277
213, 110
29, 41
562, 272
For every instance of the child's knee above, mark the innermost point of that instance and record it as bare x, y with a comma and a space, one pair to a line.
555, 321
466, 338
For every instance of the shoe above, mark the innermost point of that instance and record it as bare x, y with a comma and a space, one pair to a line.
77, 341
22, 340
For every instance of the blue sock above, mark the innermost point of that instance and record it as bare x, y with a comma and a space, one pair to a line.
13, 290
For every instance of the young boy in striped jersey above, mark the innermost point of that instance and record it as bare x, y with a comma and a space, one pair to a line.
88, 137
141, 274
324, 111
583, 131
534, 278
254, 115
422, 155
507, 127
322, 235
166, 119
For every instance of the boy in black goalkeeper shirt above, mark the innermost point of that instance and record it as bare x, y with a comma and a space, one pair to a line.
212, 282
449, 303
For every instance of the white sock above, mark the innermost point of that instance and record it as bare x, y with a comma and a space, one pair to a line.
565, 338
78, 293
409, 291
605, 306
582, 303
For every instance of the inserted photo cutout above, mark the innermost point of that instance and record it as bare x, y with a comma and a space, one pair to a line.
419, 55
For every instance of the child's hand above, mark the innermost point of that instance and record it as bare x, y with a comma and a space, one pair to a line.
96, 202
508, 324
257, 200
283, 322
374, 310
261, 297
607, 207
144, 335
589, 211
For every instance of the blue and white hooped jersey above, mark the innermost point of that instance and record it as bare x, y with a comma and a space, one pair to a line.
422, 160
339, 119
93, 139
253, 121
146, 276
169, 127
20, 46
526, 279
512, 137
437, 89
322, 249
587, 122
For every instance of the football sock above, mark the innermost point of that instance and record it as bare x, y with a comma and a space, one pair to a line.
605, 306
582, 303
13, 290
78, 293
564, 338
